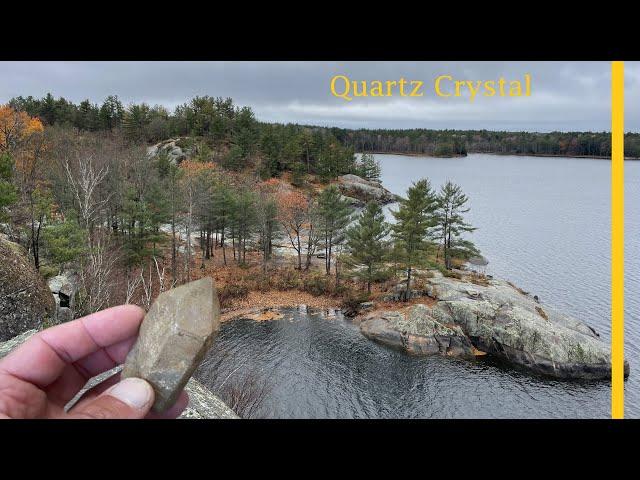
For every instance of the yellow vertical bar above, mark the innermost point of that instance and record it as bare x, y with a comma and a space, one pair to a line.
617, 240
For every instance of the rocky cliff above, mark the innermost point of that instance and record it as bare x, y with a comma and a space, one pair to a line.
25, 299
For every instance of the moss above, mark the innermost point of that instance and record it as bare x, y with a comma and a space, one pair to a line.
576, 353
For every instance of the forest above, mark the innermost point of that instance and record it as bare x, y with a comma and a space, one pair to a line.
83, 191
209, 116
461, 142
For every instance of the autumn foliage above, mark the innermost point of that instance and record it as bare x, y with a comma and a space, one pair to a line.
15, 128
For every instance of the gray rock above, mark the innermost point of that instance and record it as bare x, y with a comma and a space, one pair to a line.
416, 331
170, 148
499, 319
398, 292
363, 190
174, 337
6, 347
25, 300
204, 404
367, 305
64, 288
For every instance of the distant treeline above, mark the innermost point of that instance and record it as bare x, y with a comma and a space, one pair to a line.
461, 142
238, 135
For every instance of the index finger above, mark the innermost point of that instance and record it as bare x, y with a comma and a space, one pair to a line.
43, 358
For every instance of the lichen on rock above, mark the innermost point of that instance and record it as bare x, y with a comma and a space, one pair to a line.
363, 191
496, 318
25, 299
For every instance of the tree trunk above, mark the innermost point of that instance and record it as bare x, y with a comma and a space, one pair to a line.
224, 251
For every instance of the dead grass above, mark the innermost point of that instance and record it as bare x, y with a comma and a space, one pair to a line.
542, 313
518, 289
479, 279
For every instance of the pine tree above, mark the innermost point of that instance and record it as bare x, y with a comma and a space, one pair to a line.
414, 219
243, 220
8, 192
334, 214
451, 225
369, 167
366, 244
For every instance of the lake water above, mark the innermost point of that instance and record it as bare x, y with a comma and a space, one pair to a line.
544, 224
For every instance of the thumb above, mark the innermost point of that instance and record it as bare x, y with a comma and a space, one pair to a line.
130, 398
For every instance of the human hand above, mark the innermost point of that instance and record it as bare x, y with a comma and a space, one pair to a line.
41, 376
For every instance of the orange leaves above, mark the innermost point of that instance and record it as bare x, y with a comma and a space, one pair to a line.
16, 127
194, 168
197, 171
292, 200
292, 206
34, 125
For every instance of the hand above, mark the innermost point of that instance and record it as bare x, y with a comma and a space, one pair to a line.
41, 376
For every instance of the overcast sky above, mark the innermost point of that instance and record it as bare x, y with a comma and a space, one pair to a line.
565, 95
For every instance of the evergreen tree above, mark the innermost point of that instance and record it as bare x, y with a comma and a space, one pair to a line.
451, 225
334, 214
365, 241
136, 121
234, 160
369, 167
243, 220
223, 203
298, 174
8, 193
170, 176
414, 219
267, 221
111, 113
63, 242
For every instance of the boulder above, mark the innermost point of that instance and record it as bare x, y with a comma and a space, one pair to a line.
170, 147
399, 292
416, 331
364, 191
64, 288
25, 300
498, 319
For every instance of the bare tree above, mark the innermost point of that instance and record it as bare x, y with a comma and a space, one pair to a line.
244, 389
84, 182
96, 275
132, 286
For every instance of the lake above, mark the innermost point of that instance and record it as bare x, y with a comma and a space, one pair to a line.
544, 224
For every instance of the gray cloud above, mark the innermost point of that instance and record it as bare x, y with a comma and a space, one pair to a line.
565, 95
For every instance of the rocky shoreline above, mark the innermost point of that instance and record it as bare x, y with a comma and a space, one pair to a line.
471, 317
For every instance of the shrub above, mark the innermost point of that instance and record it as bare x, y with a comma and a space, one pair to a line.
285, 279
232, 290
316, 284
48, 271
351, 302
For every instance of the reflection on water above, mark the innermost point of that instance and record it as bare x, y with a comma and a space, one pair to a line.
318, 367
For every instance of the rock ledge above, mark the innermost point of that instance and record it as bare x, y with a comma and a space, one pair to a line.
496, 318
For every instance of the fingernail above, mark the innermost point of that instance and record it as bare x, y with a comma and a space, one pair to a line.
135, 392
